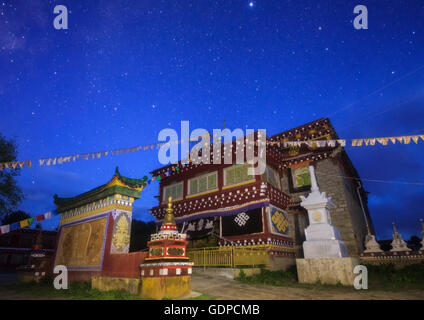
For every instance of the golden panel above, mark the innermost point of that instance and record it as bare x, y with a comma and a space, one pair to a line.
156, 251
175, 251
293, 150
81, 245
121, 234
317, 216
280, 222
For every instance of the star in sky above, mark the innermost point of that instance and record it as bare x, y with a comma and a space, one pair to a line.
273, 65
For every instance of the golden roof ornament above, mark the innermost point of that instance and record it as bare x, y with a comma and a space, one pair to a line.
394, 227
422, 224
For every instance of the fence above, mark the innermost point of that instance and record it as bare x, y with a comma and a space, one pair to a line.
231, 256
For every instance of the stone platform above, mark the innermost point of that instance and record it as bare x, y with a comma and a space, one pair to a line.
166, 287
130, 285
327, 270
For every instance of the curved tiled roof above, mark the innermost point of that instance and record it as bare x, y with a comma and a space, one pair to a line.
127, 186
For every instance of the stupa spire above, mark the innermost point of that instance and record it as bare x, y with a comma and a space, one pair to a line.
169, 216
168, 224
314, 184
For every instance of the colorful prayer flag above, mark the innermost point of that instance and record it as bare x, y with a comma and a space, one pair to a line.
39, 218
24, 223
5, 229
415, 138
383, 141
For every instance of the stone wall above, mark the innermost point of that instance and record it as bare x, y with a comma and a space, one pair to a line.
347, 216
327, 270
298, 223
280, 263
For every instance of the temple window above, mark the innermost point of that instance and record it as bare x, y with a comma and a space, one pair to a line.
237, 174
174, 190
272, 177
301, 177
204, 183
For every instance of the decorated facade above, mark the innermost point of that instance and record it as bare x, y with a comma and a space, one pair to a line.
223, 202
96, 225
335, 175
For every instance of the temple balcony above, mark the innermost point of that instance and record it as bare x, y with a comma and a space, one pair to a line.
242, 197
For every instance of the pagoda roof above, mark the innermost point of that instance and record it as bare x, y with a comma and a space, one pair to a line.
278, 155
308, 131
118, 184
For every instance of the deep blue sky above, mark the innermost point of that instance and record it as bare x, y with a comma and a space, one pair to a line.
124, 70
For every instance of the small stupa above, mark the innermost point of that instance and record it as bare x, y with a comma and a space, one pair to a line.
371, 244
398, 244
166, 272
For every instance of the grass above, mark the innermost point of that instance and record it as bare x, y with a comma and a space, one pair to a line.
274, 278
387, 277
383, 277
75, 291
283, 278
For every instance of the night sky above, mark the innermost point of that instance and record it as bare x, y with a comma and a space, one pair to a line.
124, 70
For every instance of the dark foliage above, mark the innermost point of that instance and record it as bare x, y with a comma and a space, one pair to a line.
140, 234
388, 276
385, 245
414, 243
274, 278
10, 193
15, 216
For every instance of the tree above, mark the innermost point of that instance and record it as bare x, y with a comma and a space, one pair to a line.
10, 193
140, 234
414, 243
15, 217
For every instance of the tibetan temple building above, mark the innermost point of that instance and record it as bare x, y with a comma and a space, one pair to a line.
221, 205
18, 246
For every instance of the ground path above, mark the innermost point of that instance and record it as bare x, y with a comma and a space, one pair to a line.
225, 288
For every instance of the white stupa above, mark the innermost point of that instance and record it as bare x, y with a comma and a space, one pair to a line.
322, 239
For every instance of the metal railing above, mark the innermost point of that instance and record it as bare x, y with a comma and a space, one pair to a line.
230, 256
